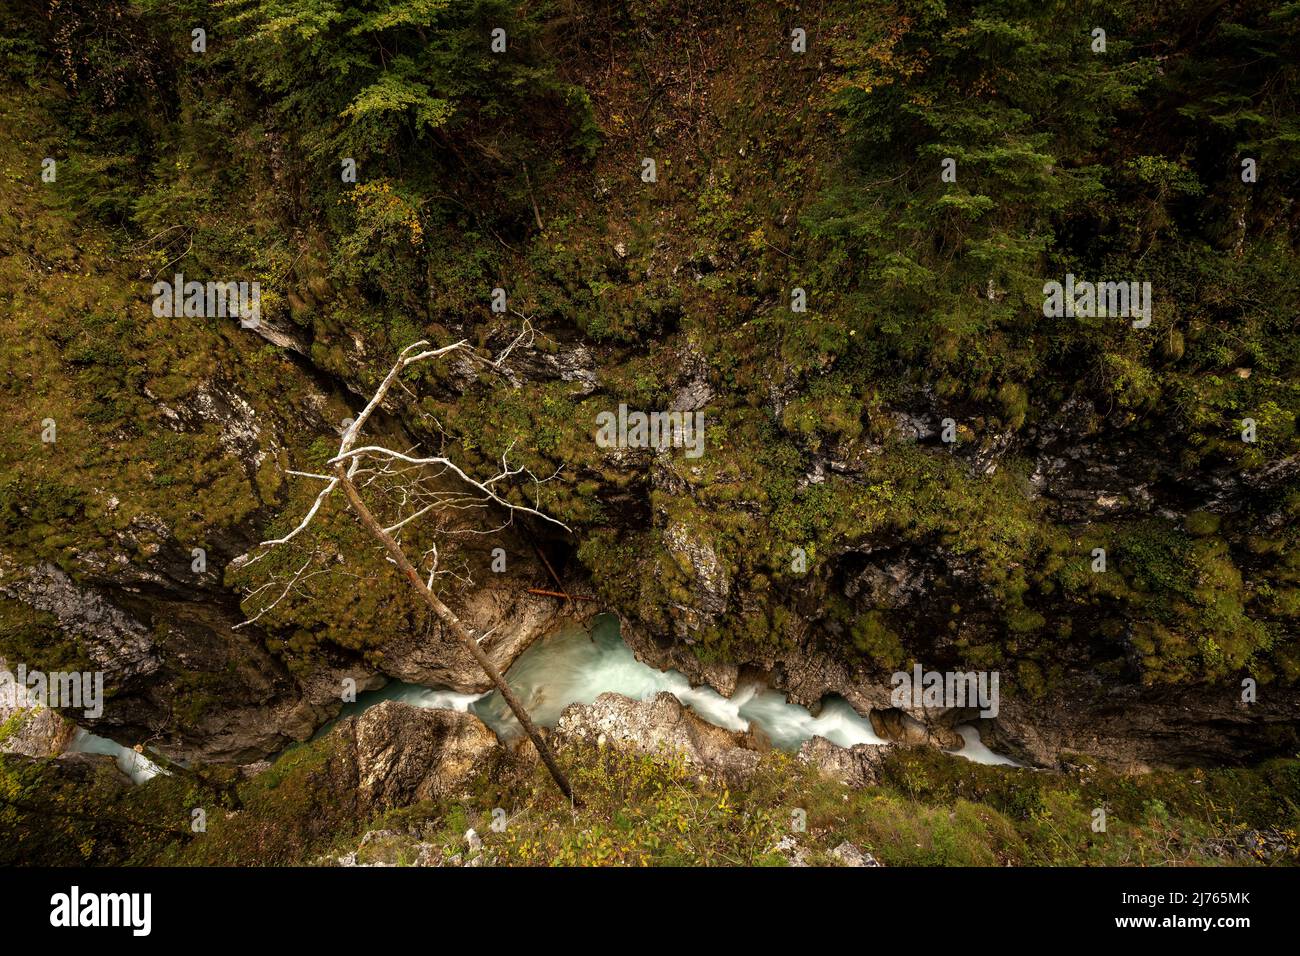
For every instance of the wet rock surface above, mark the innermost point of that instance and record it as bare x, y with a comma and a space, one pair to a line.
179, 674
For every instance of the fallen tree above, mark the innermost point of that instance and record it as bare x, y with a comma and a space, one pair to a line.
419, 483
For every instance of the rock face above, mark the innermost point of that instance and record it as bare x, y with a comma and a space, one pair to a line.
895, 724
1142, 728
857, 766
1087, 470
403, 754
657, 726
511, 621
156, 649
117, 644
710, 582
1127, 726
168, 654
34, 731
805, 673
26, 726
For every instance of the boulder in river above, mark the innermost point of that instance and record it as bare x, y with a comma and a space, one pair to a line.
898, 725
405, 754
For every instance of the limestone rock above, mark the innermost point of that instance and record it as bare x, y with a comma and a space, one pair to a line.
28, 727
857, 766
405, 754
659, 725
850, 855
898, 725
117, 644
511, 619
710, 580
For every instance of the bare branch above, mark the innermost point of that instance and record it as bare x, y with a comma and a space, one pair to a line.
404, 481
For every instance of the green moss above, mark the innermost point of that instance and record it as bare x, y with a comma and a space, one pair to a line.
874, 638
34, 638
14, 724
1201, 524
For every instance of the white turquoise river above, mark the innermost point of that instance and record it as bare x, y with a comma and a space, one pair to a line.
136, 766
577, 665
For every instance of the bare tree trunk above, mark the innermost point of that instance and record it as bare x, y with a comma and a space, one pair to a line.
346, 464
449, 618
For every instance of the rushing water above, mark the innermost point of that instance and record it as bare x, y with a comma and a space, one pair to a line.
577, 666
136, 766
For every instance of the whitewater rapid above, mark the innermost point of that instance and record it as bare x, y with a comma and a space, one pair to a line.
575, 666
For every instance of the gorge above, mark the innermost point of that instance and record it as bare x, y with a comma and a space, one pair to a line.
861, 444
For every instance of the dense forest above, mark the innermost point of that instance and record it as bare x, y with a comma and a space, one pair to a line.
828, 228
